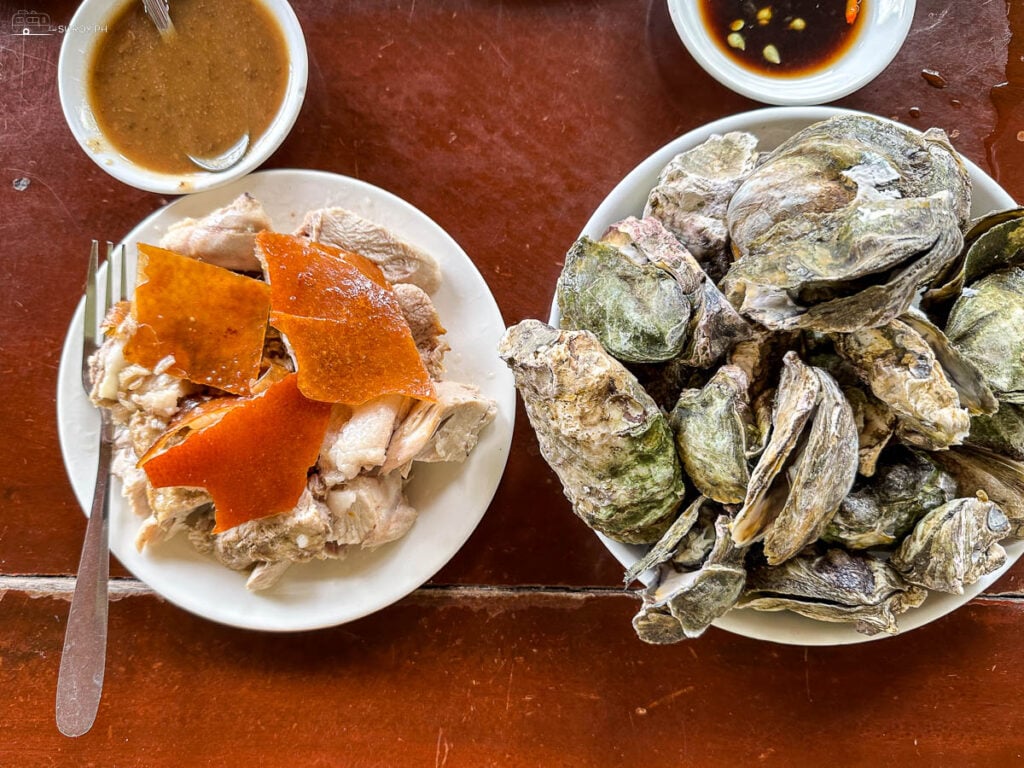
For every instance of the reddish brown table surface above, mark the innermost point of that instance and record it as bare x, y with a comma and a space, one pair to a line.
507, 122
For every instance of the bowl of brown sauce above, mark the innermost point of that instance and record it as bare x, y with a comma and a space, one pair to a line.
793, 52
142, 104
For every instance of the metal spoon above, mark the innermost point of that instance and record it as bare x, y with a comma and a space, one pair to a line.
226, 159
157, 11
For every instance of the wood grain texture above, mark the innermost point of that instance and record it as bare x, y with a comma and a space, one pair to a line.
507, 123
513, 679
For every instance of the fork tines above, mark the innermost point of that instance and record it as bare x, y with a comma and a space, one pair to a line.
114, 291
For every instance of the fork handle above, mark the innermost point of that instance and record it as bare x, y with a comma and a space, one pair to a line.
80, 681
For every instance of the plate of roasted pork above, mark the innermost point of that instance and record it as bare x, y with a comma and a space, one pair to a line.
339, 440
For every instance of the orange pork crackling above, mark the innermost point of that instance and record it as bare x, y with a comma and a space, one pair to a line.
346, 329
198, 321
254, 460
277, 420
347, 332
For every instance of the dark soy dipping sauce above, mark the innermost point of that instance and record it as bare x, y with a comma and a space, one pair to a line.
808, 35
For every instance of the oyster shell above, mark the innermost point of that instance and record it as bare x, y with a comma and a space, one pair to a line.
637, 310
714, 429
993, 242
954, 545
698, 542
1002, 432
876, 424
693, 193
807, 467
693, 598
795, 401
998, 477
836, 586
605, 437
970, 384
881, 510
715, 326
902, 371
663, 550
984, 324
645, 297
841, 225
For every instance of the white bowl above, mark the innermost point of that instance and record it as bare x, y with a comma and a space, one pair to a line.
86, 30
772, 127
883, 29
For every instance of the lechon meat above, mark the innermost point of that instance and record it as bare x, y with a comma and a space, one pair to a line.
295, 536
226, 237
399, 261
445, 430
427, 331
370, 511
360, 442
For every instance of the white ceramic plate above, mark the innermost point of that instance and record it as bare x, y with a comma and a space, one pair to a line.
884, 28
772, 126
451, 498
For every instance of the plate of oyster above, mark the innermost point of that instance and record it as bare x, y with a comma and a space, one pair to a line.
782, 378
398, 484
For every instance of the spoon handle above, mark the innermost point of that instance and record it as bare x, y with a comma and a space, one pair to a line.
157, 11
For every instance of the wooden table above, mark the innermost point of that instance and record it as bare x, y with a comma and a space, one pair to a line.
507, 123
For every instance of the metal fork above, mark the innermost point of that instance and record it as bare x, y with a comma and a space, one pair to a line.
80, 681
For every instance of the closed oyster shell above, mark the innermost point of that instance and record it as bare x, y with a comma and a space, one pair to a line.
806, 469
714, 429
1000, 478
954, 545
841, 225
693, 598
984, 324
903, 372
993, 242
715, 326
693, 193
836, 586
604, 436
880, 511
637, 310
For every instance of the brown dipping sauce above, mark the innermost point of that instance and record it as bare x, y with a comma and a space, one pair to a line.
222, 73
784, 37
